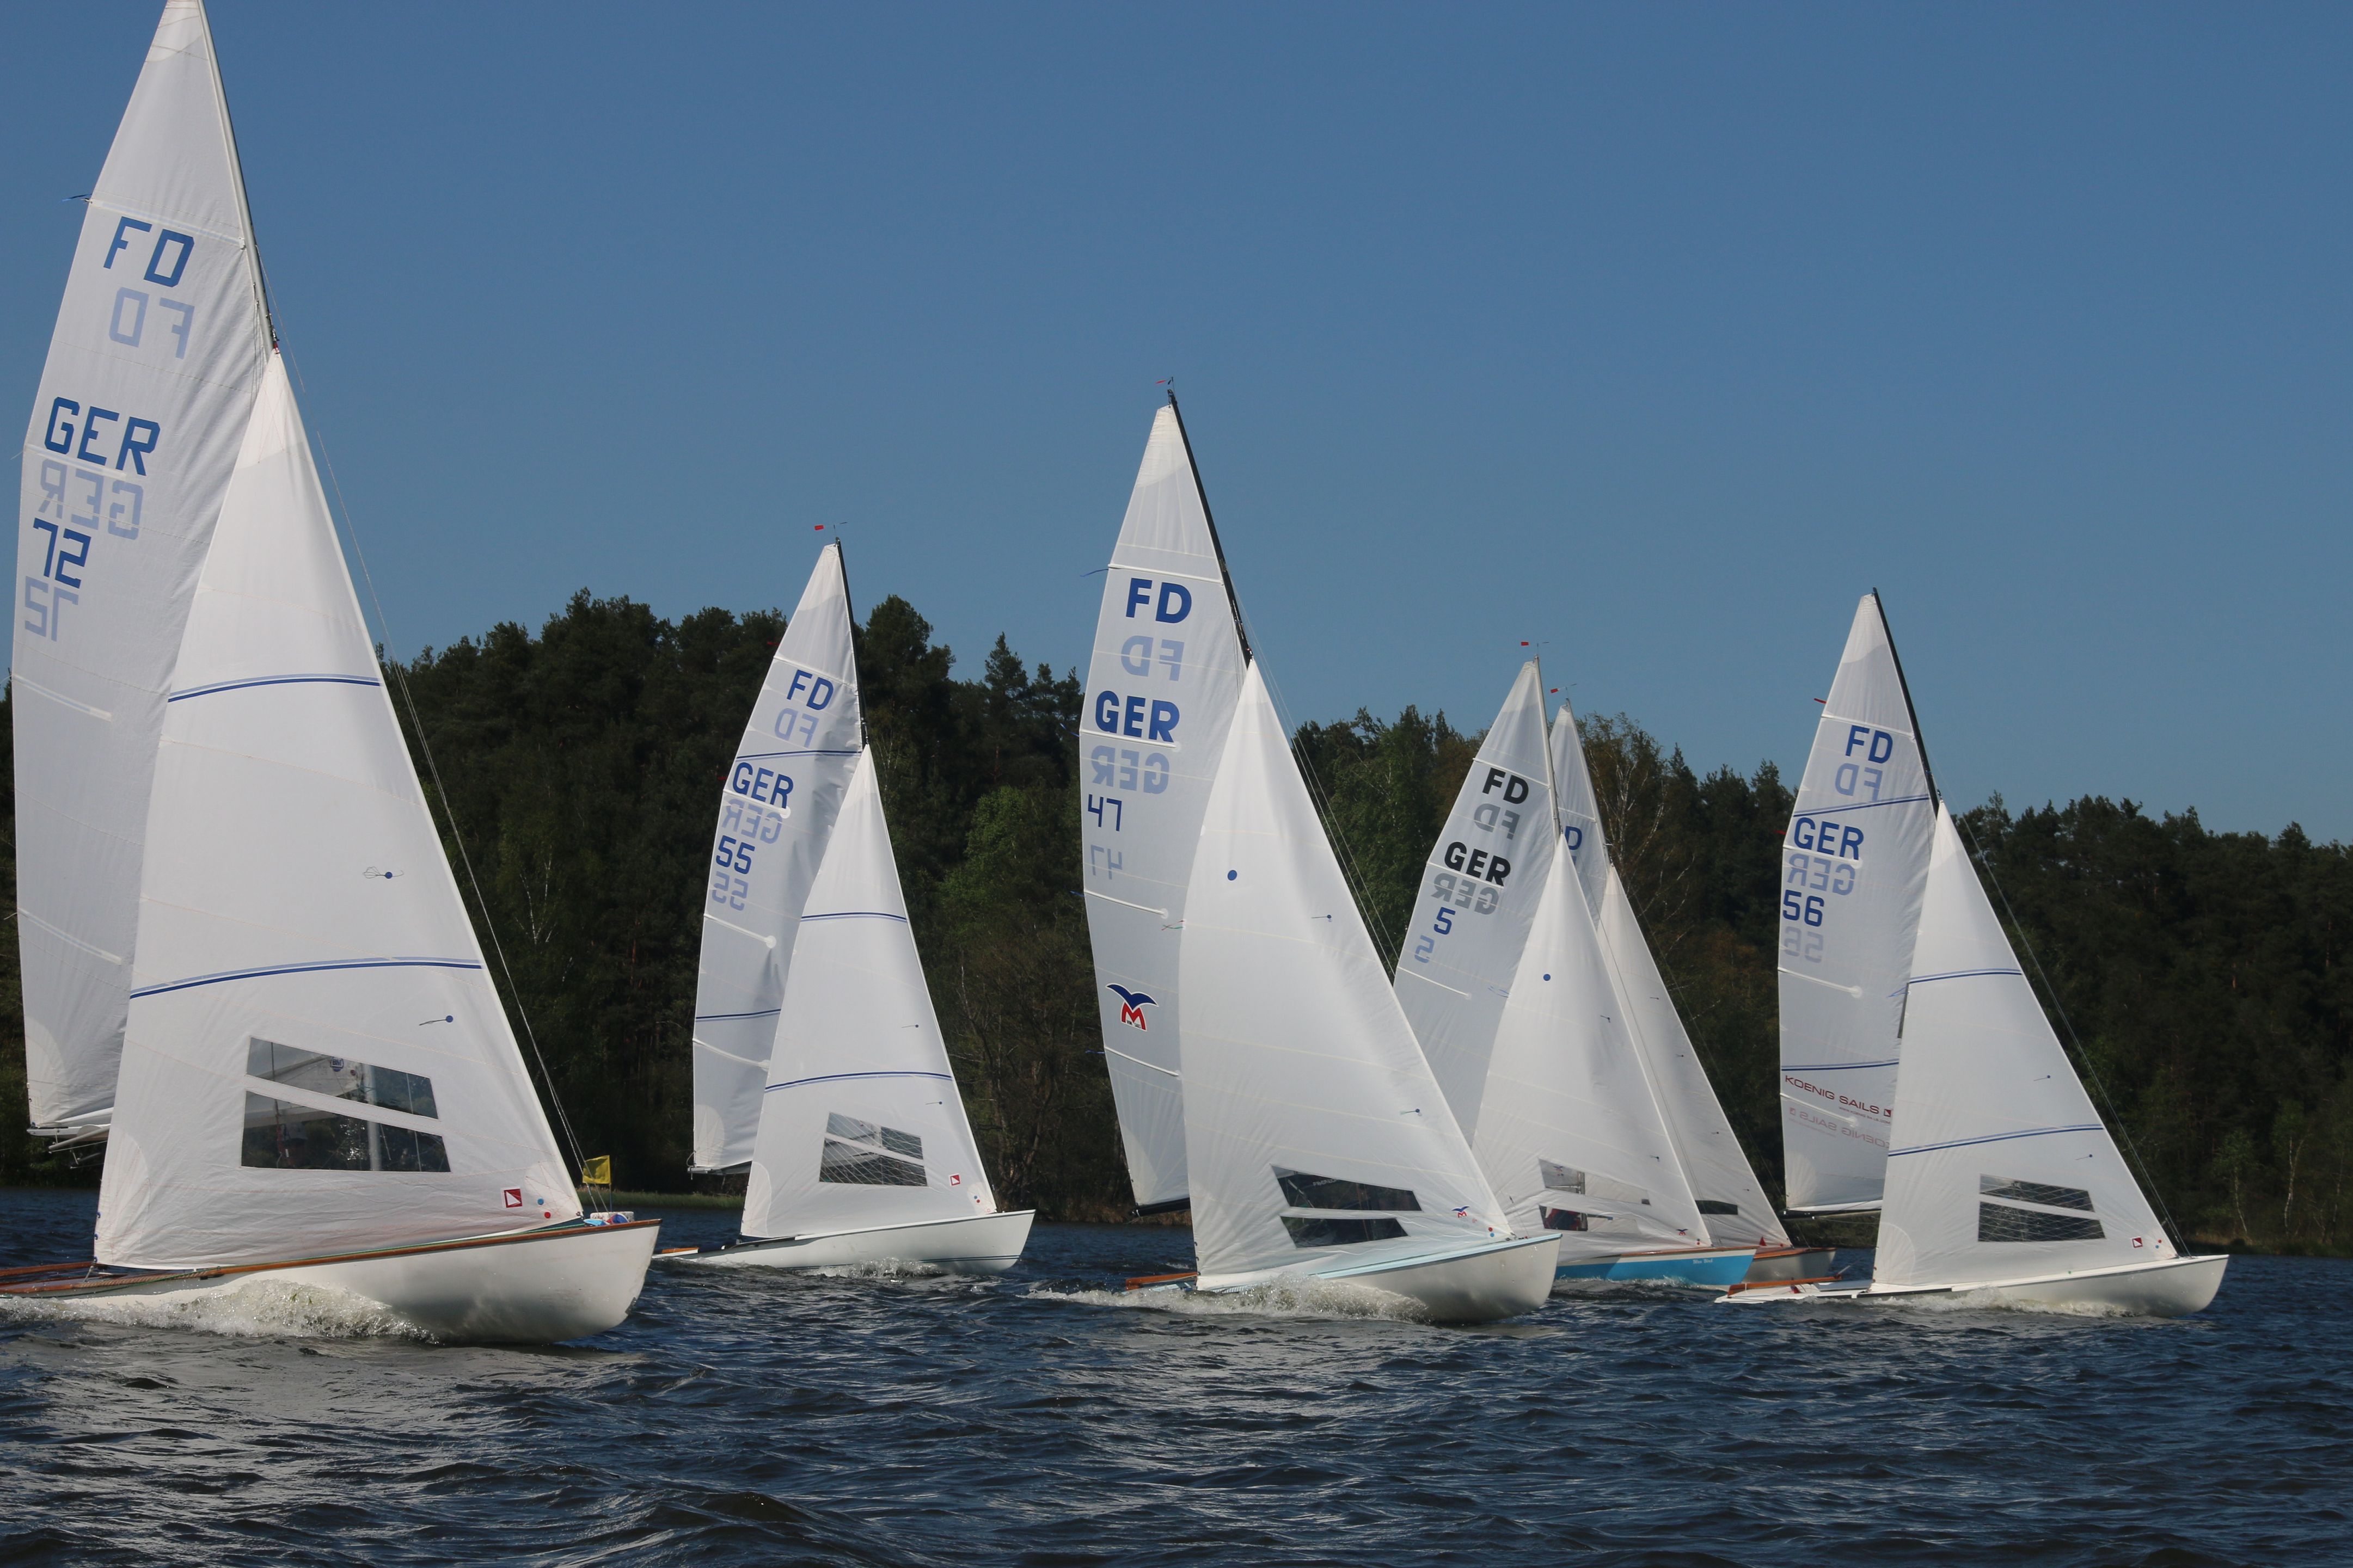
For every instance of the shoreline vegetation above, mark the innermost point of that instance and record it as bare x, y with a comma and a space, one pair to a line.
2206, 973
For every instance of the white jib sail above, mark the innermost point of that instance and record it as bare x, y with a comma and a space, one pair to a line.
1731, 1201
862, 1124
1315, 1132
150, 383
1161, 688
1569, 1133
1479, 892
2000, 1168
315, 1059
1854, 861
777, 808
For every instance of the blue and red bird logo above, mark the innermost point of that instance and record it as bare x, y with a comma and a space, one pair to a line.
1132, 1005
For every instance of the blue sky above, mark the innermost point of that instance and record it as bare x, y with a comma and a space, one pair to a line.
1655, 335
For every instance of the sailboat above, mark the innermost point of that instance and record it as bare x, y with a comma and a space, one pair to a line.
1318, 1141
777, 803
1162, 684
1732, 1204
1507, 983
2002, 1181
1855, 865
314, 1081
864, 1153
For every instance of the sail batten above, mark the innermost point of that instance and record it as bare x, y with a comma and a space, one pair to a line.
777, 804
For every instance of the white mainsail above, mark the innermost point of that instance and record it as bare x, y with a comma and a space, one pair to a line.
1569, 1133
2001, 1168
1479, 892
158, 349
1854, 862
862, 1124
1315, 1133
776, 809
315, 1059
1161, 688
1731, 1201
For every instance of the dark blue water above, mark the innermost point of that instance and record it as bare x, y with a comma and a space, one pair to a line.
745, 1418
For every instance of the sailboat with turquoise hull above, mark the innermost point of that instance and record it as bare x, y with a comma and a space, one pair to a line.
1509, 984
304, 1076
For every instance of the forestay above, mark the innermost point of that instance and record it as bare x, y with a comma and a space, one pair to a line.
1479, 892
150, 378
862, 1124
2001, 1169
1568, 1131
1854, 862
1731, 1203
315, 1060
777, 808
1314, 1129
1161, 687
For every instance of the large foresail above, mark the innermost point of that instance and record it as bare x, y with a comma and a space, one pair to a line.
1478, 893
1854, 861
150, 382
1161, 688
862, 1124
1314, 1129
777, 808
1731, 1200
1570, 1134
315, 1059
2001, 1168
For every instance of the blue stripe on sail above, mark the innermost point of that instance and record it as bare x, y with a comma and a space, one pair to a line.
762, 756
1994, 1138
274, 680
716, 1017
308, 969
1865, 805
837, 1076
1965, 975
1834, 1067
858, 915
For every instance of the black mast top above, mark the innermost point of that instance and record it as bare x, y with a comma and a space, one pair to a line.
1242, 631
1935, 796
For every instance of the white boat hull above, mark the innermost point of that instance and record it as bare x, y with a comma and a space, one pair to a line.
2169, 1288
536, 1287
1464, 1285
976, 1244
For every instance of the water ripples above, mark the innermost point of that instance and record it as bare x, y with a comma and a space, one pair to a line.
1050, 1418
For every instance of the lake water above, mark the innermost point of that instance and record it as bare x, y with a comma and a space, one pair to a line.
1047, 1419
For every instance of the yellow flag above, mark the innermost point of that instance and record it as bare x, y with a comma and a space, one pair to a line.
597, 1172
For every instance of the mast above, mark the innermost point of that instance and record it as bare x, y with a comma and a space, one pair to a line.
1241, 630
1935, 795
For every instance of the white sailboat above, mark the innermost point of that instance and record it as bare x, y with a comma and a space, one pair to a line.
864, 1153
1505, 978
777, 808
1854, 864
317, 1085
1732, 1204
1317, 1140
1161, 688
2003, 1183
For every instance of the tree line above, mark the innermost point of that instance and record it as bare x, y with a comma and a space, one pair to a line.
577, 773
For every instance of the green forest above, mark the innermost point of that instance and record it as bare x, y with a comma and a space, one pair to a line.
2204, 973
